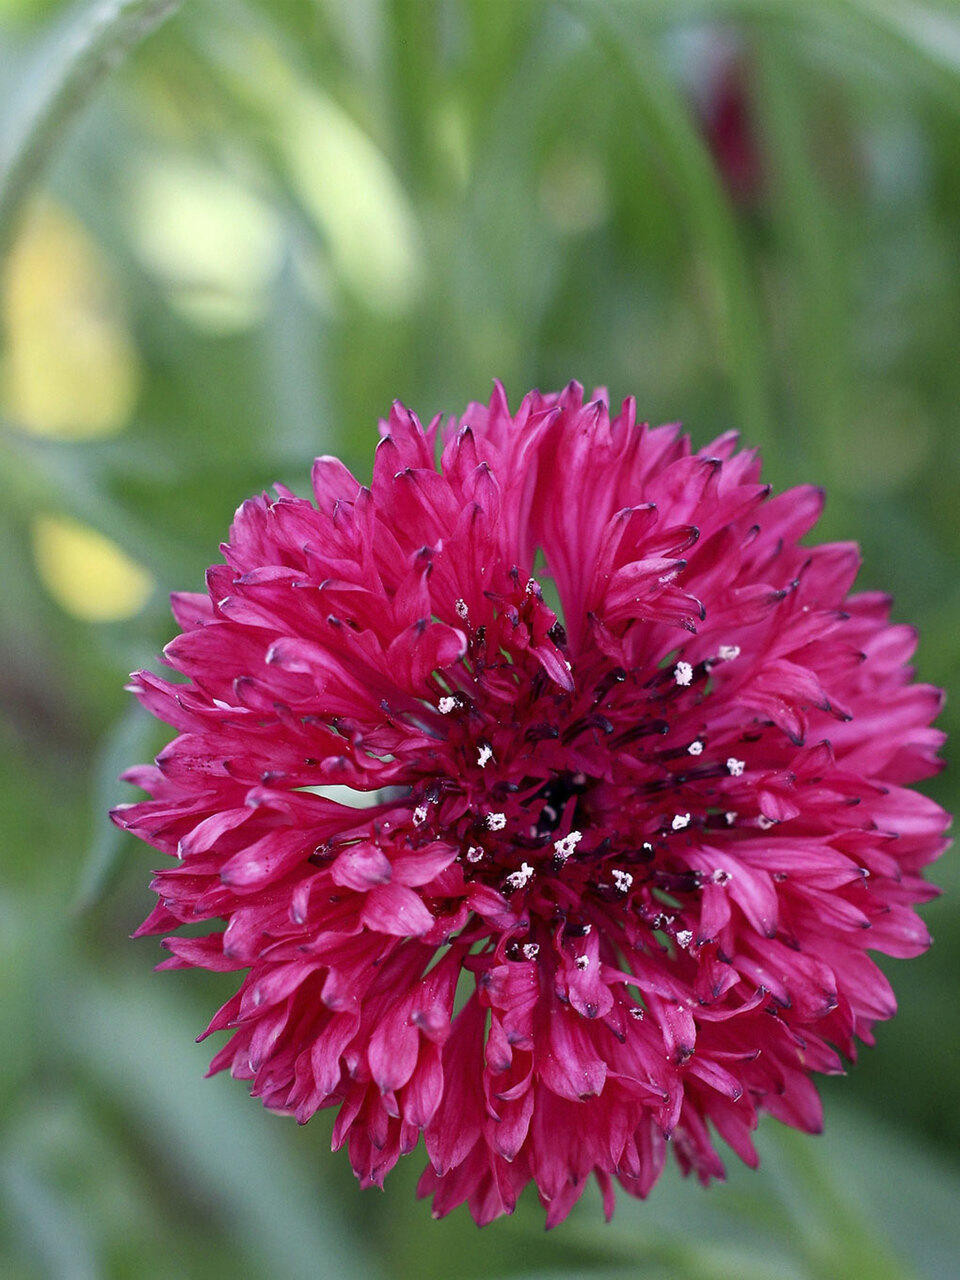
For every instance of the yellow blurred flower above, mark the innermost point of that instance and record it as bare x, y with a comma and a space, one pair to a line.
86, 573
214, 244
70, 367
344, 181
348, 187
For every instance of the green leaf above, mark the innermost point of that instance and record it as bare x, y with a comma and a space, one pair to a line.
47, 1226
131, 1041
660, 110
129, 742
860, 1202
65, 82
924, 39
38, 475
812, 262
870, 1177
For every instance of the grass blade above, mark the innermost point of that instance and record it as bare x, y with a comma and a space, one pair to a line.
63, 86
660, 110
135, 1044
49, 1229
129, 740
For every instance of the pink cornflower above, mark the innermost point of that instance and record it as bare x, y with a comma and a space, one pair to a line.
555, 896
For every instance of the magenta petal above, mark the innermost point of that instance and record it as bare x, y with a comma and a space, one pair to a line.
395, 909
361, 867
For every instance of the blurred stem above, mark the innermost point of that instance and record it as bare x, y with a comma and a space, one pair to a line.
660, 109
63, 87
814, 263
410, 69
296, 351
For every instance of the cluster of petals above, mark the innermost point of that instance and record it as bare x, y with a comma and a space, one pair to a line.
556, 887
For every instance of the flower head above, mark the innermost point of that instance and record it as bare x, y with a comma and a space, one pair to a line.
548, 894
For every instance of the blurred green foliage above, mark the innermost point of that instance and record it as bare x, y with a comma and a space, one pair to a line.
274, 218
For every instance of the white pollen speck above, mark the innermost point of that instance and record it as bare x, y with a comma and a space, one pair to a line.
731, 817
582, 962
531, 950
727, 652
622, 879
695, 748
647, 847
531, 586
566, 845
517, 879
720, 876
683, 673
680, 820
734, 766
636, 1012
496, 821
684, 938
474, 853
484, 755
461, 608
765, 823
419, 815
446, 705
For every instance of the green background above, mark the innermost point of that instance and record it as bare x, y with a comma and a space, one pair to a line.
231, 254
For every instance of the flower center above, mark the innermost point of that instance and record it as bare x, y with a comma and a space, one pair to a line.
585, 804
